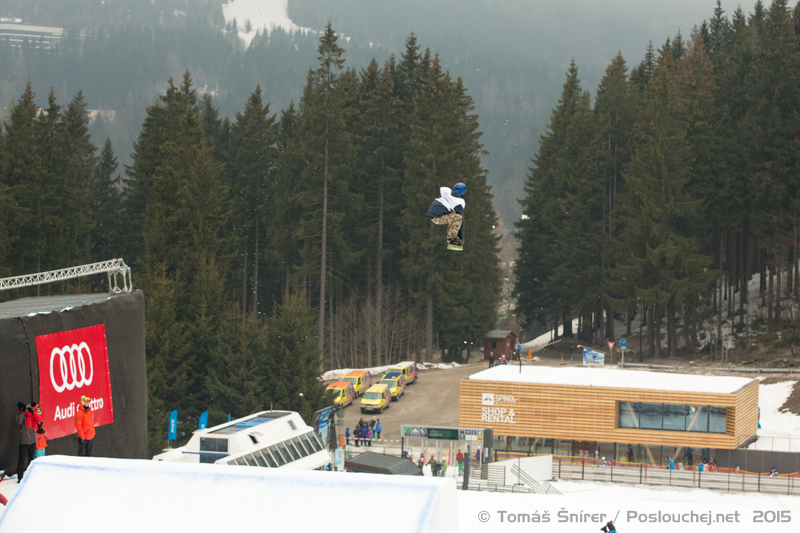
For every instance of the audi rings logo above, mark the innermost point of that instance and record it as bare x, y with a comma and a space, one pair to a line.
72, 367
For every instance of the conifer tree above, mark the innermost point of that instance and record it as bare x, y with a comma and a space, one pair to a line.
293, 359
657, 252
106, 206
251, 184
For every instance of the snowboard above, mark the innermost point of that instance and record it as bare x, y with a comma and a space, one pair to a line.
457, 247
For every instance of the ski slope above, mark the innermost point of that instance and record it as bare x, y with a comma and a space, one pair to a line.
263, 16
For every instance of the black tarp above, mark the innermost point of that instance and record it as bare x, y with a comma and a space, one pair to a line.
123, 317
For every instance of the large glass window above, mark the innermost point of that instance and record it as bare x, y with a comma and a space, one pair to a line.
650, 416
629, 415
268, 456
276, 453
259, 458
672, 417
315, 440
219, 446
716, 419
300, 447
697, 418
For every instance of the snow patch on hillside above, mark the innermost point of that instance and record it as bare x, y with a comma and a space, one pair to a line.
263, 17
774, 421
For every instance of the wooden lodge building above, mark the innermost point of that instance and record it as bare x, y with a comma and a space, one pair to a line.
500, 342
623, 415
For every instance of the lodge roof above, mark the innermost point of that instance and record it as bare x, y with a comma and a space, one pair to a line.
614, 378
499, 334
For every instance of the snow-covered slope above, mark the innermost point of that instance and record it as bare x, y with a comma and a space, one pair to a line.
260, 16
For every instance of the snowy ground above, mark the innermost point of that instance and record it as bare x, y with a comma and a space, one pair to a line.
263, 16
207, 497
754, 314
586, 506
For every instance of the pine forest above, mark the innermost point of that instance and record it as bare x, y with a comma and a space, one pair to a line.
673, 194
270, 246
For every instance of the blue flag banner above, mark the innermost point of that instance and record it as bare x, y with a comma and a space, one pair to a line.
592, 358
173, 426
203, 424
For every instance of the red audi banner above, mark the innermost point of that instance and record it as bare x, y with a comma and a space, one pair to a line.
72, 364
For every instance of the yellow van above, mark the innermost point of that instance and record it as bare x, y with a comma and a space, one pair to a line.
361, 380
343, 393
396, 382
409, 369
377, 398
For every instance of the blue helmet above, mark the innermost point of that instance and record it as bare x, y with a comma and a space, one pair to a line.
460, 187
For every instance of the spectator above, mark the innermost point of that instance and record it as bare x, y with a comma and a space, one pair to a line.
347, 435
26, 422
700, 467
478, 455
369, 436
630, 453
364, 435
84, 423
378, 429
689, 459
421, 461
41, 442
605, 463
491, 359
671, 463
773, 472
444, 468
460, 461
680, 466
712, 466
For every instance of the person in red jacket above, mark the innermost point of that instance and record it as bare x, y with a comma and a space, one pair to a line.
27, 422
84, 423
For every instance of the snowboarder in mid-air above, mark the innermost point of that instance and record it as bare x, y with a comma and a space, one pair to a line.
449, 209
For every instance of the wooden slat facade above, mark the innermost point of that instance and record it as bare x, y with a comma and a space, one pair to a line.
592, 413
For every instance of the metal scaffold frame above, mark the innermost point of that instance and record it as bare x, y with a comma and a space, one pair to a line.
113, 268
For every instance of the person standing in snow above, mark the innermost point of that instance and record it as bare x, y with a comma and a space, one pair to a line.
84, 423
26, 422
460, 461
378, 429
449, 209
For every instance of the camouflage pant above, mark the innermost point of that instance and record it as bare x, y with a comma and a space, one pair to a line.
453, 221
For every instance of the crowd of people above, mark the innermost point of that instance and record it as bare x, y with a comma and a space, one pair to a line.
33, 436
364, 432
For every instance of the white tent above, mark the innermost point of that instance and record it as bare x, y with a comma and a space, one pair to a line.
134, 495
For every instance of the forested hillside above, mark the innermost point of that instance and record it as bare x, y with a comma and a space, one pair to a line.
669, 188
274, 245
511, 55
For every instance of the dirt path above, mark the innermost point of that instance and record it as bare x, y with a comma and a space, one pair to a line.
432, 400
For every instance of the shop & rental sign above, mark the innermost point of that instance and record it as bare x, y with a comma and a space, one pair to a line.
72, 364
497, 408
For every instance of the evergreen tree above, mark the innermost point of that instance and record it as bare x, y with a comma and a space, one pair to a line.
106, 206
657, 251
293, 360
251, 184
